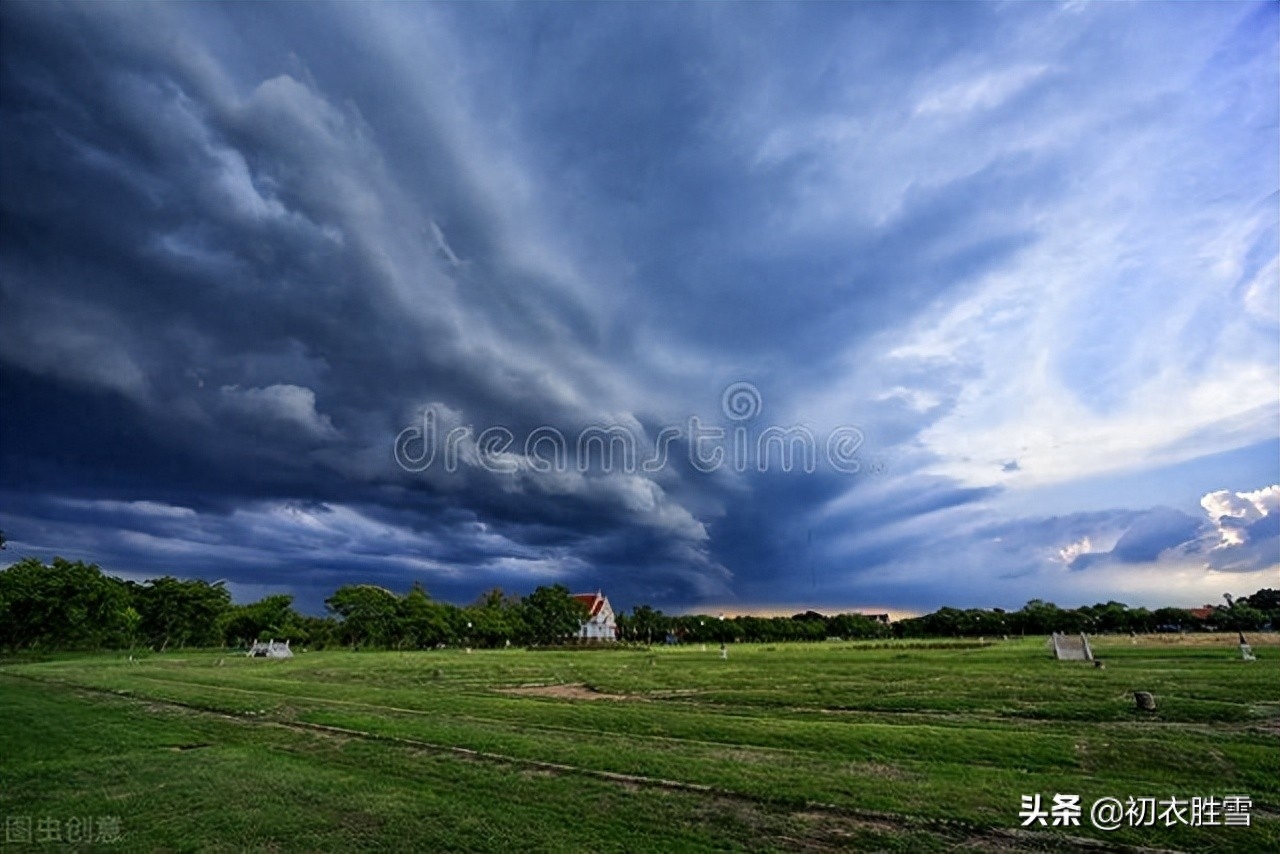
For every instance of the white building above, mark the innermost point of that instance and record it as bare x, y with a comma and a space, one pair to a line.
600, 624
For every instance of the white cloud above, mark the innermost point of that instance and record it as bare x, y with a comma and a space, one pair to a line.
983, 92
443, 245
918, 400
1262, 295
1120, 340
282, 403
1231, 511
1071, 551
1120, 336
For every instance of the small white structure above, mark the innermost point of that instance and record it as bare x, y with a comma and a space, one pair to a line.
270, 649
600, 624
1071, 649
1246, 651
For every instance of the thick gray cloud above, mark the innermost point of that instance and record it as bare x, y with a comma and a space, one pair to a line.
243, 247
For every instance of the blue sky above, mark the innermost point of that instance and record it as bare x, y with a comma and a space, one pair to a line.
1028, 251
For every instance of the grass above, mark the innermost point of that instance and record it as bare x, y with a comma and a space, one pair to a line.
866, 746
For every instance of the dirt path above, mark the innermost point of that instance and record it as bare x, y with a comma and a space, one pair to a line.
565, 692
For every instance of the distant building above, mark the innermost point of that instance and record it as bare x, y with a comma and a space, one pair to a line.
600, 625
879, 618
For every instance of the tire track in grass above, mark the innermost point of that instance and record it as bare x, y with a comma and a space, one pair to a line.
972, 720
516, 725
962, 831
502, 723
911, 765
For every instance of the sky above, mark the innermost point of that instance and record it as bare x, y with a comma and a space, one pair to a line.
728, 307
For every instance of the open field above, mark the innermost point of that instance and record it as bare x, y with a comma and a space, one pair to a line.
911, 746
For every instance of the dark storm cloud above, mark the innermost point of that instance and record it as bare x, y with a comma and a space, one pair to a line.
243, 247
220, 292
1146, 538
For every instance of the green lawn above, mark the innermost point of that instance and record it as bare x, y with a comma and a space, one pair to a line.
862, 746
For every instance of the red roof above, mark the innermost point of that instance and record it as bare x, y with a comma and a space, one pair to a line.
1203, 613
593, 601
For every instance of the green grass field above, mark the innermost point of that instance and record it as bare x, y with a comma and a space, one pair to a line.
859, 746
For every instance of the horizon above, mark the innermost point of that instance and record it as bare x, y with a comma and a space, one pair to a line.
774, 610
705, 306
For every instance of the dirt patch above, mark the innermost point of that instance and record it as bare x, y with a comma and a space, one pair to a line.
880, 770
747, 756
1269, 725
837, 825
362, 824
539, 773
564, 692
676, 694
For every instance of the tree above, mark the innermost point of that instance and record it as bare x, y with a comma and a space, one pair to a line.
494, 619
1141, 620
181, 613
272, 617
1239, 618
1266, 599
1175, 618
552, 615
645, 624
1039, 617
64, 605
369, 613
851, 626
1111, 617
809, 626
422, 623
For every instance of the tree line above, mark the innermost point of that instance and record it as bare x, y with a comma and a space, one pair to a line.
71, 605
1037, 617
